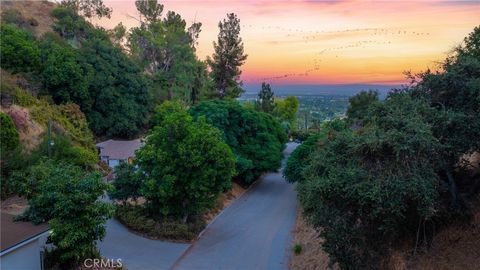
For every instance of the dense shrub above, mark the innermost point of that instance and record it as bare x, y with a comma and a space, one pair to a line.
10, 151
68, 119
126, 184
9, 139
401, 171
63, 76
66, 197
299, 158
454, 93
63, 150
137, 219
369, 189
359, 104
185, 166
286, 110
19, 51
97, 75
257, 139
119, 93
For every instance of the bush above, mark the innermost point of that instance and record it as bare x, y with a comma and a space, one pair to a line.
97, 75
19, 51
9, 139
66, 197
67, 118
297, 249
126, 184
10, 151
185, 166
359, 104
257, 139
120, 99
299, 158
300, 135
139, 220
63, 150
63, 76
369, 189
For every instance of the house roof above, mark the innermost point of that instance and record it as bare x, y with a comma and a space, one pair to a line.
119, 149
14, 233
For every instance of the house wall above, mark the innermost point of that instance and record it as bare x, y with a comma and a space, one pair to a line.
112, 163
25, 257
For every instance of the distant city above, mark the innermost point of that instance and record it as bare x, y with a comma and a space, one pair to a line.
318, 103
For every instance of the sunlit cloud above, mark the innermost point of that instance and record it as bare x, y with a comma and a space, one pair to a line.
328, 41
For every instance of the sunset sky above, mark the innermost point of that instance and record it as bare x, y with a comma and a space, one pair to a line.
328, 42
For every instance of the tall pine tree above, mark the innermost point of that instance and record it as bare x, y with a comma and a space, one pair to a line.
227, 59
265, 101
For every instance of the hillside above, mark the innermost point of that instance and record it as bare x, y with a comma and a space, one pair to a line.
31, 114
34, 15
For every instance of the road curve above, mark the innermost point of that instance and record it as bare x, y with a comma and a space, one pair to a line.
137, 252
253, 233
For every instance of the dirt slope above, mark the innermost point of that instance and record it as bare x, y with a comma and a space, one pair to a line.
35, 13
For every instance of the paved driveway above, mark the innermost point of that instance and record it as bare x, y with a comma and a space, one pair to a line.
136, 252
253, 233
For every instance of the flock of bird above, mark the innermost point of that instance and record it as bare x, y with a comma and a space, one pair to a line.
313, 36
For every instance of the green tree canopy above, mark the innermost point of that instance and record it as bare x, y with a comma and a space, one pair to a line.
228, 58
359, 104
402, 170
19, 50
286, 110
185, 165
63, 75
367, 190
454, 93
300, 158
88, 8
266, 99
165, 47
257, 139
117, 102
67, 198
127, 183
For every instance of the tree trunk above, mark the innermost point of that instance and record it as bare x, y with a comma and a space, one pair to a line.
457, 200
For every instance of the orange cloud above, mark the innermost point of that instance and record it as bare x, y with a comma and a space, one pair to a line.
335, 41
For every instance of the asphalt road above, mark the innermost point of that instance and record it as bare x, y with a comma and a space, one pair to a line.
253, 233
136, 252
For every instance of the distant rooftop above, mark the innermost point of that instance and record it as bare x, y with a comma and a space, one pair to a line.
119, 149
14, 233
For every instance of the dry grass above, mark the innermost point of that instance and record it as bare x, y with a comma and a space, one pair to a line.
37, 10
31, 133
453, 248
223, 201
456, 247
312, 256
14, 205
